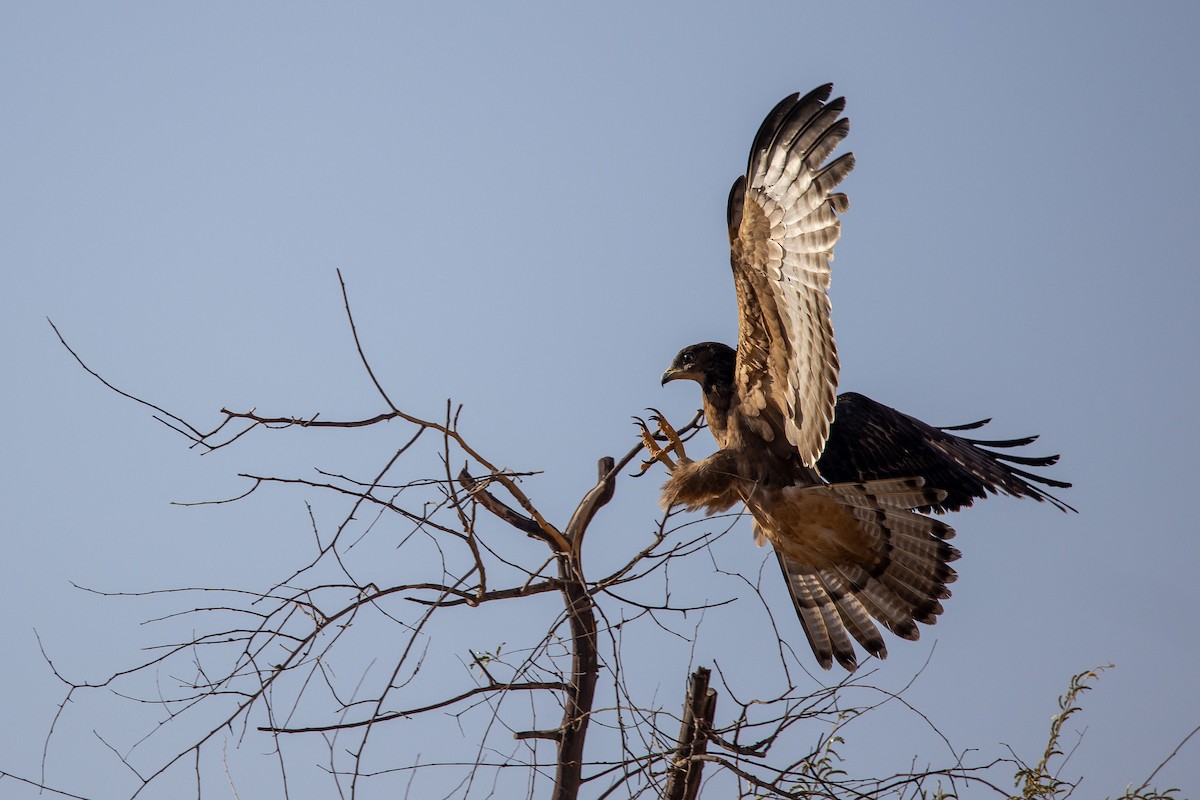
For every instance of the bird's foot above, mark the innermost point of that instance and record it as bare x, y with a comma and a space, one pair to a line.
672, 436
657, 453
651, 444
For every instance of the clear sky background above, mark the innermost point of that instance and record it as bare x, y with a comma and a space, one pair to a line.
527, 204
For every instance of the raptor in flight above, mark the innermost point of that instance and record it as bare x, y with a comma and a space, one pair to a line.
840, 486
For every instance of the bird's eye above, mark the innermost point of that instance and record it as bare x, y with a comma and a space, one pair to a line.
686, 358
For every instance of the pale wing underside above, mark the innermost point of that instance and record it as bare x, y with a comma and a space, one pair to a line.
783, 224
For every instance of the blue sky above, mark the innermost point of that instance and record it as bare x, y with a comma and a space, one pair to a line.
528, 208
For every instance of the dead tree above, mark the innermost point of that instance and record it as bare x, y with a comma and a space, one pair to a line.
356, 642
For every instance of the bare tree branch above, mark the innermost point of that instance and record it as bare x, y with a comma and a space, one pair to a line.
362, 638
683, 778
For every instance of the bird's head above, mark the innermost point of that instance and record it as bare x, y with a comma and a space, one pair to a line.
706, 363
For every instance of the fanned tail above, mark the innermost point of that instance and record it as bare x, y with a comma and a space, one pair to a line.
853, 551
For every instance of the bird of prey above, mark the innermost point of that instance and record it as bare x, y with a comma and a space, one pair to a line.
841, 487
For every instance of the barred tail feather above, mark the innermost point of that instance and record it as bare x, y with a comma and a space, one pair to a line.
853, 551
856, 618
829, 615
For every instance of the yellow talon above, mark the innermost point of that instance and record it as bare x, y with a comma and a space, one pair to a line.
657, 453
672, 437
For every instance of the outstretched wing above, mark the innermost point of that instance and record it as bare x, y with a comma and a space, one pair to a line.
870, 441
783, 224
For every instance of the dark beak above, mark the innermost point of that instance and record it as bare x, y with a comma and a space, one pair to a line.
671, 374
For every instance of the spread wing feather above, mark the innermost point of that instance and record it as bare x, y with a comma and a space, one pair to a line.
870, 441
783, 224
